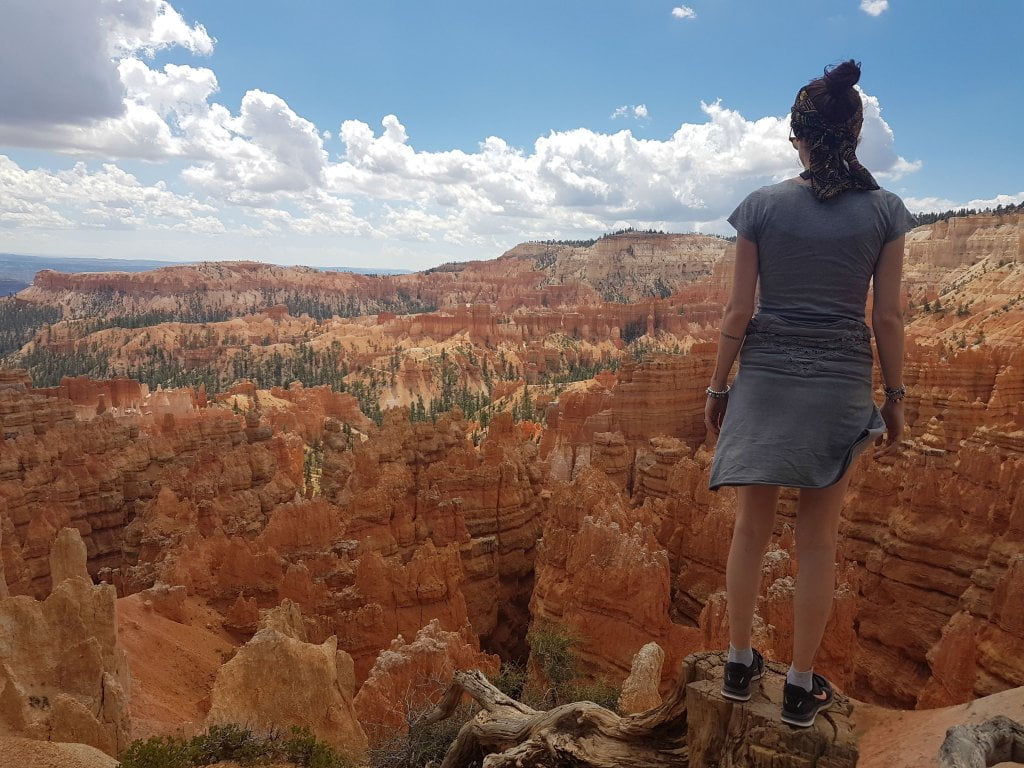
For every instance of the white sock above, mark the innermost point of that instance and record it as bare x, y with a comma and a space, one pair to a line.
745, 656
803, 679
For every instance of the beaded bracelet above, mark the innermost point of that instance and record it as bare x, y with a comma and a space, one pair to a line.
718, 394
895, 394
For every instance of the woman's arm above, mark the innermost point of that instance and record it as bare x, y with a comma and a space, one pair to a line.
887, 324
887, 312
738, 311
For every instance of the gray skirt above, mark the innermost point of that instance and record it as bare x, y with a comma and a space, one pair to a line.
801, 408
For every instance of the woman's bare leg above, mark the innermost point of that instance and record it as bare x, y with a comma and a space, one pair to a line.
755, 519
817, 529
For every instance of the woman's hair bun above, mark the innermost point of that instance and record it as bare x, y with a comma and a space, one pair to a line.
842, 77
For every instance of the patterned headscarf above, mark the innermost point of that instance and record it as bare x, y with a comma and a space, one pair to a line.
834, 167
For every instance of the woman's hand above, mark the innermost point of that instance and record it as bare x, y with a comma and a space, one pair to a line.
892, 415
714, 413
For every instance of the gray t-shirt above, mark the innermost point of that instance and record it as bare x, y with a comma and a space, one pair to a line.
816, 259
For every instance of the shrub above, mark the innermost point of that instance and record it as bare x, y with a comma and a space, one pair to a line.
420, 744
226, 742
157, 752
553, 649
297, 746
602, 692
511, 679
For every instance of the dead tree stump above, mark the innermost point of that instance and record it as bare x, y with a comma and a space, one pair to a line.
998, 740
693, 728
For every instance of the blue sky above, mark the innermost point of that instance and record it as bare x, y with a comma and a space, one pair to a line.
403, 134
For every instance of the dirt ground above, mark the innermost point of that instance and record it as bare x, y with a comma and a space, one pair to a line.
911, 739
29, 753
172, 665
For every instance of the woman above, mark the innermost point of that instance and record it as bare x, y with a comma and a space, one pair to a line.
800, 409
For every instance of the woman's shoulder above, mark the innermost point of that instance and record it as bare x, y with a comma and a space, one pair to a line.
784, 187
885, 196
774, 191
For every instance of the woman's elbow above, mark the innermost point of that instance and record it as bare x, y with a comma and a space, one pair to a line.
739, 311
887, 318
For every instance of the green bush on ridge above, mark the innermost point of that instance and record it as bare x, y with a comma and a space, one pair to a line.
553, 648
296, 746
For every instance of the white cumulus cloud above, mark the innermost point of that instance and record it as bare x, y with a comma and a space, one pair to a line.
106, 198
938, 204
259, 171
267, 148
686, 12
874, 7
638, 111
877, 149
58, 59
269, 159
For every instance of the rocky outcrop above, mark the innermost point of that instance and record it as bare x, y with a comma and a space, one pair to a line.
25, 412
602, 575
628, 267
397, 599
640, 690
63, 673
278, 680
935, 535
120, 393
654, 398
966, 240
300, 410
413, 484
68, 557
408, 678
181, 474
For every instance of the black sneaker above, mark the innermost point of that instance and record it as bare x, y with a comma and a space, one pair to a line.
800, 706
738, 677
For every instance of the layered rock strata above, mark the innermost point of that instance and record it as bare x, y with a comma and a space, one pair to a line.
602, 575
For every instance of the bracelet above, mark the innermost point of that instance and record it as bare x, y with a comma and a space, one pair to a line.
718, 394
895, 394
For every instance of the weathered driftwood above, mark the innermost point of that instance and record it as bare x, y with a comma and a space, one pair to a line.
998, 740
694, 726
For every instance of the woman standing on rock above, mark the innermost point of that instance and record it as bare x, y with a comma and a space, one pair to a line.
800, 409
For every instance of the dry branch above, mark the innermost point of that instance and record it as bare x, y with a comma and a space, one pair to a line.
997, 740
693, 726
507, 733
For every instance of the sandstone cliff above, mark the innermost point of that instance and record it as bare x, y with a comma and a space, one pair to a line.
63, 673
278, 679
408, 678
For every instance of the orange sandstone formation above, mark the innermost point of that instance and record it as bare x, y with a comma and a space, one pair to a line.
640, 689
278, 679
408, 678
602, 574
63, 673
